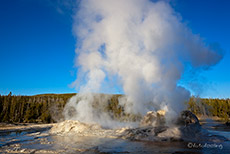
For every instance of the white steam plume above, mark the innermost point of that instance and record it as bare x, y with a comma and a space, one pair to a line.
141, 44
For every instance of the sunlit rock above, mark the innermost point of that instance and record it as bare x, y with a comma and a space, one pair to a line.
153, 118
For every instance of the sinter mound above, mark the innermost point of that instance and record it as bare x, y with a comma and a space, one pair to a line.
152, 128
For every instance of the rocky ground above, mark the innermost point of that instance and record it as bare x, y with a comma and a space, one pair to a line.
152, 136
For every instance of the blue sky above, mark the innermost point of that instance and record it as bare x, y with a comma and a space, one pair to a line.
37, 45
211, 20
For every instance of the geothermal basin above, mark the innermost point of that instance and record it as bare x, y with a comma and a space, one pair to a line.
187, 136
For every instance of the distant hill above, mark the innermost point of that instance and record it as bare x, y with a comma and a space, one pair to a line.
56, 95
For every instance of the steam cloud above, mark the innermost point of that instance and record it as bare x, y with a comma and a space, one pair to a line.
138, 45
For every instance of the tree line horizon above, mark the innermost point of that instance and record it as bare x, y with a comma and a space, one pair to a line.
47, 108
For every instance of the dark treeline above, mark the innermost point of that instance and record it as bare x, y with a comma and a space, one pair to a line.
47, 108
210, 107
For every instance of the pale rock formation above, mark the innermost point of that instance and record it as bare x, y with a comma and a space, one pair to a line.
152, 128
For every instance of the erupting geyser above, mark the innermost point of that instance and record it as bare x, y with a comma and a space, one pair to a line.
139, 46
